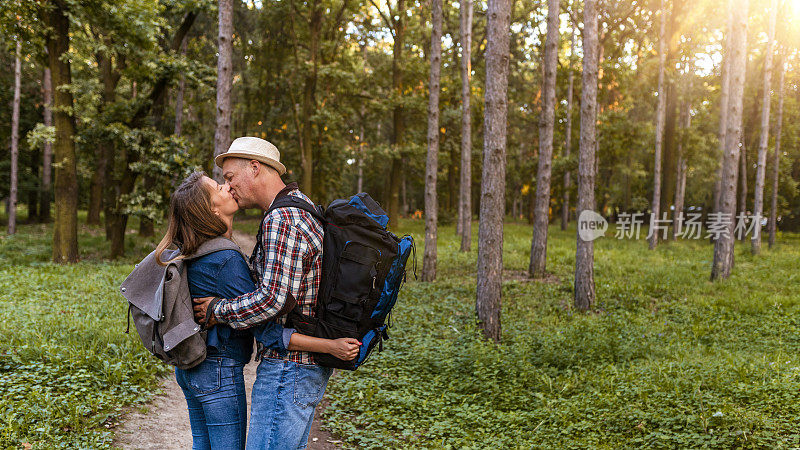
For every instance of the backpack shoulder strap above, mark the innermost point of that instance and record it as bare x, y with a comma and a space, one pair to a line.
291, 201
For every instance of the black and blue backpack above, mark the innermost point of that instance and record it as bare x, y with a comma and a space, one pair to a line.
363, 268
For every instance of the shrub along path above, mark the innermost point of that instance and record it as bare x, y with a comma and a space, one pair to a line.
164, 423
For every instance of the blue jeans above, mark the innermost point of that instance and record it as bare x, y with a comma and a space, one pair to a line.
217, 401
284, 397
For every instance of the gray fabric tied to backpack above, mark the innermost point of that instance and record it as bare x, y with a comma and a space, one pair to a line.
161, 305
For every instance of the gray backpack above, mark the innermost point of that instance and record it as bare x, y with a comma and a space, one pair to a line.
161, 305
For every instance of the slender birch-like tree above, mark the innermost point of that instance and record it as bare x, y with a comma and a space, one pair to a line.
761, 167
493, 184
584, 294
773, 213
432, 163
465, 182
723, 247
655, 205
541, 212
12, 194
222, 131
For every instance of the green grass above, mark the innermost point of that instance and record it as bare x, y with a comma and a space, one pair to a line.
66, 366
667, 359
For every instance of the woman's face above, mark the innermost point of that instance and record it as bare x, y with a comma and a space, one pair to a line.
221, 199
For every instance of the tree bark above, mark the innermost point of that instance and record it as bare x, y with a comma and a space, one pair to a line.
680, 177
65, 229
723, 109
741, 205
432, 163
361, 145
222, 130
98, 184
669, 160
465, 182
309, 96
761, 168
655, 205
773, 214
47, 153
723, 247
398, 117
584, 295
541, 213
685, 120
12, 194
493, 183
568, 134
179, 98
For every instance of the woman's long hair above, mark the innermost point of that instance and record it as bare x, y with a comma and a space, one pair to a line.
191, 218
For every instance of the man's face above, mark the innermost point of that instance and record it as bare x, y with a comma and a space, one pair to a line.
240, 176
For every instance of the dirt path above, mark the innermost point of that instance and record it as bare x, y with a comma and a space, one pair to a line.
164, 423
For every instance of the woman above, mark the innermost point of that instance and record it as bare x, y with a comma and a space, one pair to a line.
201, 209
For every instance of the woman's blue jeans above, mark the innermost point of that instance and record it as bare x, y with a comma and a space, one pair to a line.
217, 401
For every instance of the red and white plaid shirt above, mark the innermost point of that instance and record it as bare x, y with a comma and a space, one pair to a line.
291, 263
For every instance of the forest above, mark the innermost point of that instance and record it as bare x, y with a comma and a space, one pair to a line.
488, 130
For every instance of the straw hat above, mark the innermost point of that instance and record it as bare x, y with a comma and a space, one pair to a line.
253, 148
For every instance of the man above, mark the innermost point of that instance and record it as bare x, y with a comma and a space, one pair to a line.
287, 263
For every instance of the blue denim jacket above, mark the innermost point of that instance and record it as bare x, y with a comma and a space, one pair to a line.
225, 274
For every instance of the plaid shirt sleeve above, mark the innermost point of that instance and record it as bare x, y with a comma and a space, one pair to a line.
284, 250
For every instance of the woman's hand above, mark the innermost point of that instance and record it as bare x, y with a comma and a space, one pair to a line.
344, 348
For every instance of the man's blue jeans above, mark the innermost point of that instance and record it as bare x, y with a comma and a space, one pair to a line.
217, 401
285, 395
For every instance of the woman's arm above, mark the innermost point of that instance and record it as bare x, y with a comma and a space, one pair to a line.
234, 280
342, 348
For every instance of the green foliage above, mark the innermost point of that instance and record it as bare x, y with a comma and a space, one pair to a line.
667, 359
66, 365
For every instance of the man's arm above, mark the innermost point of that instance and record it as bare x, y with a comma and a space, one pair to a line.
284, 250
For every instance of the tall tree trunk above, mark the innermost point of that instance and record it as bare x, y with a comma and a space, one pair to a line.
398, 119
493, 183
761, 168
773, 212
541, 213
584, 255
669, 160
742, 203
680, 177
568, 133
65, 229
723, 247
146, 226
12, 195
465, 182
98, 184
47, 153
309, 97
361, 145
723, 108
179, 97
222, 130
432, 163
452, 179
655, 205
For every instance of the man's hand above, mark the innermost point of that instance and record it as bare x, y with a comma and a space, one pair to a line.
201, 309
344, 348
